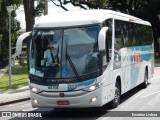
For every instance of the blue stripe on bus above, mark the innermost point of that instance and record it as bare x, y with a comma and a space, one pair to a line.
146, 56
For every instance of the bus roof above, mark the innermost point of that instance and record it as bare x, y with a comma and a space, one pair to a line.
83, 17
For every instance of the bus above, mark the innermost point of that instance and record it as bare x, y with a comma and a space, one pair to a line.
101, 54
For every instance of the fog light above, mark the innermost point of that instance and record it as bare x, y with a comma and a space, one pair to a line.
94, 99
35, 101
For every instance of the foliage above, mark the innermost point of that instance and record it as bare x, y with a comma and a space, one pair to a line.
39, 10
145, 9
4, 23
84, 4
0, 41
157, 60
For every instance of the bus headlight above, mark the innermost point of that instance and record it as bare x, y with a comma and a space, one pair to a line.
93, 87
35, 90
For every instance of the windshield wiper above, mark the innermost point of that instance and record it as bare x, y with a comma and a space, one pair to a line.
72, 65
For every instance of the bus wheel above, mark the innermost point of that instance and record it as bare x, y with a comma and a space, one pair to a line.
116, 101
145, 83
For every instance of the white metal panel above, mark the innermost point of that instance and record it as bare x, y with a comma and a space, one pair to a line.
83, 17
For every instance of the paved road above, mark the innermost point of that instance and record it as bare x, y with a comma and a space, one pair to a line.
137, 99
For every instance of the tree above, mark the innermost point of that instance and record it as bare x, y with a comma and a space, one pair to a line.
4, 25
144, 9
41, 8
29, 14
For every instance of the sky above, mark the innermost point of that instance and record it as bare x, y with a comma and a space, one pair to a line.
51, 10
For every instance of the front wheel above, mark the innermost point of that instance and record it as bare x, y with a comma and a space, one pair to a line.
145, 83
116, 101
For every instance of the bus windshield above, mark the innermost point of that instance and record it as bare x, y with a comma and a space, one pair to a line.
64, 53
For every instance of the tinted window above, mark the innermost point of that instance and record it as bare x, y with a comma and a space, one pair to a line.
130, 34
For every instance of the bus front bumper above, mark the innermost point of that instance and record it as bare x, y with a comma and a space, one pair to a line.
90, 99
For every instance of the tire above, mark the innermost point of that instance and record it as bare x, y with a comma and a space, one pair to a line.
145, 83
116, 101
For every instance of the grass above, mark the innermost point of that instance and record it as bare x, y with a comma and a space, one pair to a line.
157, 60
19, 79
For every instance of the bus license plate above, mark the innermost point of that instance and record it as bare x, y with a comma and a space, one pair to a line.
63, 102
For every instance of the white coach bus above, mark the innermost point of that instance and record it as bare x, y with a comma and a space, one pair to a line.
95, 57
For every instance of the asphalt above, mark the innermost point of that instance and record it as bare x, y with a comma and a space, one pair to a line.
23, 94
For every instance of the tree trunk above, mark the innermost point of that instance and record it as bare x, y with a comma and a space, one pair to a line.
45, 7
29, 14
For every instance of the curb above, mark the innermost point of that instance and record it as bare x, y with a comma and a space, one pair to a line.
156, 64
15, 101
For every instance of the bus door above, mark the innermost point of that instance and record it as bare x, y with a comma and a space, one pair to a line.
107, 67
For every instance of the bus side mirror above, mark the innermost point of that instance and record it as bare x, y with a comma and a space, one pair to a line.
102, 38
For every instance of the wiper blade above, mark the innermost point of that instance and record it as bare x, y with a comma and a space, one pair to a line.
73, 67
